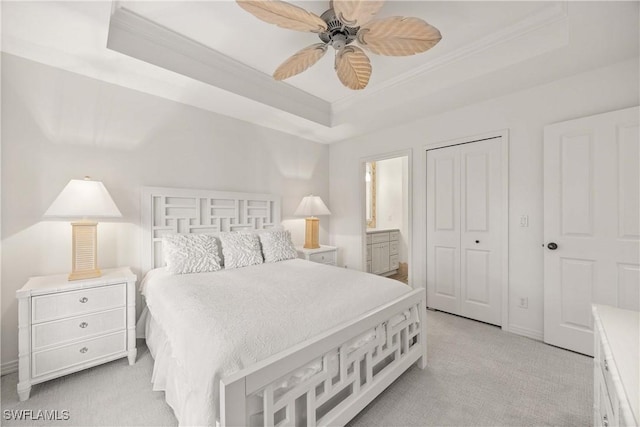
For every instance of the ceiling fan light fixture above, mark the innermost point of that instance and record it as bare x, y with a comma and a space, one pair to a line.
337, 31
343, 23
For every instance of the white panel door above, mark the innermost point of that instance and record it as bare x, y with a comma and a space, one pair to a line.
591, 223
443, 229
481, 220
464, 230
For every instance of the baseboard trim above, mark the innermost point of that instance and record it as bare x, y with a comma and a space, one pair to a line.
526, 332
9, 367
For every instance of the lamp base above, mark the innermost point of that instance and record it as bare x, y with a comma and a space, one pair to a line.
84, 257
81, 275
311, 233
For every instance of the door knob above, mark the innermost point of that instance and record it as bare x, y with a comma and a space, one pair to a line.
552, 246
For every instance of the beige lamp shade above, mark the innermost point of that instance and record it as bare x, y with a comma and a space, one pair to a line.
83, 198
312, 206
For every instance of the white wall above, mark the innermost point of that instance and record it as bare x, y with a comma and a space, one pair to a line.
524, 114
392, 199
58, 125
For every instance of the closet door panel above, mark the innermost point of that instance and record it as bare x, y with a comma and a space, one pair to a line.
464, 230
480, 236
443, 228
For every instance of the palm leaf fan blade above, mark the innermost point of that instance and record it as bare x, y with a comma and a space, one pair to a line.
300, 61
284, 15
398, 36
353, 67
356, 12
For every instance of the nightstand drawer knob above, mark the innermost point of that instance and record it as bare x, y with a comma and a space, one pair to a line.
83, 300
83, 325
84, 350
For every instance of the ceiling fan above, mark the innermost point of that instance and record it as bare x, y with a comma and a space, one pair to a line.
345, 22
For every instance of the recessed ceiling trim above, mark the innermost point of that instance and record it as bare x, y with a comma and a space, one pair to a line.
140, 38
544, 18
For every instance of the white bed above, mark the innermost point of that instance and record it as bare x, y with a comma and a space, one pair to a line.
286, 343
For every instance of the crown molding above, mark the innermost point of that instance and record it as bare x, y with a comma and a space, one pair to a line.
544, 18
140, 38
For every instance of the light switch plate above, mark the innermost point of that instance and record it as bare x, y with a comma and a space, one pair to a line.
524, 220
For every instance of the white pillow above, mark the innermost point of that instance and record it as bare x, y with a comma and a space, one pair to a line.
277, 246
240, 249
190, 253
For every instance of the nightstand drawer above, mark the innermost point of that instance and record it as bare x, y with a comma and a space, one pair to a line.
73, 303
48, 361
68, 330
380, 237
324, 257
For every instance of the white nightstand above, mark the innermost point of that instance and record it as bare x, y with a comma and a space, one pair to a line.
66, 326
323, 255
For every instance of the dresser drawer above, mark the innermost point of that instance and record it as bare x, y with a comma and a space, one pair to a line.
67, 330
380, 237
45, 362
73, 303
394, 235
604, 412
324, 257
608, 388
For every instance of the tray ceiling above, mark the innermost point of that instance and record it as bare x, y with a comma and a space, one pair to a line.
215, 56
226, 28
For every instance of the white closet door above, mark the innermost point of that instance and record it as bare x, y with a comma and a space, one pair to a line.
481, 226
443, 229
591, 212
464, 230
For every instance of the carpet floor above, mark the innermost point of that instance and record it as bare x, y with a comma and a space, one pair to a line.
477, 375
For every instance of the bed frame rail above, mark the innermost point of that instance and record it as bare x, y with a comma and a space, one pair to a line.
346, 380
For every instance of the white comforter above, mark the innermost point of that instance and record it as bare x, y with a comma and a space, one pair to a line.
218, 323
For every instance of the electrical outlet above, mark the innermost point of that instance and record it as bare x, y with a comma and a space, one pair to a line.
524, 220
523, 302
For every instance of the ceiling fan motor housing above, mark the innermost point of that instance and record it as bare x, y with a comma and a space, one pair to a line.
337, 35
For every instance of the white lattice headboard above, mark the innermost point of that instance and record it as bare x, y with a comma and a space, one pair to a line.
185, 211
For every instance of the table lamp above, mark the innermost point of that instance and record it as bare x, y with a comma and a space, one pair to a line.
310, 206
84, 198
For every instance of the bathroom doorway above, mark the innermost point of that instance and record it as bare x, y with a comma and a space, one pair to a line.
386, 221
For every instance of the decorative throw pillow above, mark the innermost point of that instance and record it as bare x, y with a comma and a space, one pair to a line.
277, 246
190, 253
240, 249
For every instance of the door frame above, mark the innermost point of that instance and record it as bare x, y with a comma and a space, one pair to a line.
504, 134
408, 153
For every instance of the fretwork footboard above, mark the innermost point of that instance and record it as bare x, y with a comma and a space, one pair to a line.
329, 379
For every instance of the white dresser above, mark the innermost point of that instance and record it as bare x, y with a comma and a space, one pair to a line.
66, 326
382, 251
323, 255
616, 397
